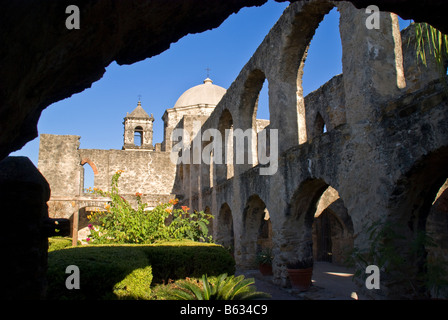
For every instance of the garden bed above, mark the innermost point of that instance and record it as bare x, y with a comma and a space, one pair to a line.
128, 271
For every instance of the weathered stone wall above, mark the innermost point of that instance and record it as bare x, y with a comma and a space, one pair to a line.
410, 136
146, 172
60, 161
383, 149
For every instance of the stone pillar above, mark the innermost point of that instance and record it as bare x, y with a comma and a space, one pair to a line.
283, 97
372, 62
24, 193
372, 74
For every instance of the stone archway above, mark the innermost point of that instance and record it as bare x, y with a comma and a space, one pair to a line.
257, 231
332, 229
419, 206
313, 198
224, 231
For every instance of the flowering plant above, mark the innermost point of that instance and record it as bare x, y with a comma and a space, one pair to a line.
120, 223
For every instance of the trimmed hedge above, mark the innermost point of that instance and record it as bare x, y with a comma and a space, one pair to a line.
58, 243
127, 271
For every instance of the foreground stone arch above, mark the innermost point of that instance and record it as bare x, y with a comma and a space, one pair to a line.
377, 129
224, 233
257, 235
418, 194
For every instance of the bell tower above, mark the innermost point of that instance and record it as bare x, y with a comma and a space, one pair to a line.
138, 130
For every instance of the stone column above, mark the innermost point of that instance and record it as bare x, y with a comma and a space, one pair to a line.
372, 74
283, 98
372, 62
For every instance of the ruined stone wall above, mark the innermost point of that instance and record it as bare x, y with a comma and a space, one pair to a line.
59, 162
383, 149
146, 172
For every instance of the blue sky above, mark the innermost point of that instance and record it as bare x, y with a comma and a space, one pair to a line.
97, 113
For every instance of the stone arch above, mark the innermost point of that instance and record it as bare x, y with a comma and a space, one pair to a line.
224, 231
248, 114
418, 193
297, 227
84, 176
224, 167
91, 163
211, 169
249, 98
332, 232
319, 126
178, 185
138, 133
79, 221
257, 230
294, 55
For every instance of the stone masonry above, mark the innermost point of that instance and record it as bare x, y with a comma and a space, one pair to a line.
381, 157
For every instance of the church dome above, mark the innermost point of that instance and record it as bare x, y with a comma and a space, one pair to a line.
206, 93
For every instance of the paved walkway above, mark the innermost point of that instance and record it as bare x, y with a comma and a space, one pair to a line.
329, 282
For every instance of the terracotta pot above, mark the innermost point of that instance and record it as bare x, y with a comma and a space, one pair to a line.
265, 269
300, 278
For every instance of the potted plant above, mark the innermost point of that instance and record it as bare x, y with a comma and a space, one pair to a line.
264, 260
300, 273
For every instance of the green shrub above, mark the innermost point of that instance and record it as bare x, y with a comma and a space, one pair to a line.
136, 285
103, 272
58, 243
180, 259
223, 287
126, 271
121, 223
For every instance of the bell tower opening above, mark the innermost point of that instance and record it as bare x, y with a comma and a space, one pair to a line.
138, 129
138, 136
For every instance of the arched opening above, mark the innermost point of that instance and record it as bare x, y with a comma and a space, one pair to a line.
332, 229
322, 78
262, 104
87, 176
419, 203
224, 166
317, 41
324, 54
84, 224
138, 136
319, 126
255, 114
257, 233
211, 169
263, 120
224, 231
318, 226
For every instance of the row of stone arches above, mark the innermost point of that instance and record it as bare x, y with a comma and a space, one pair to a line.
295, 122
374, 163
326, 226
